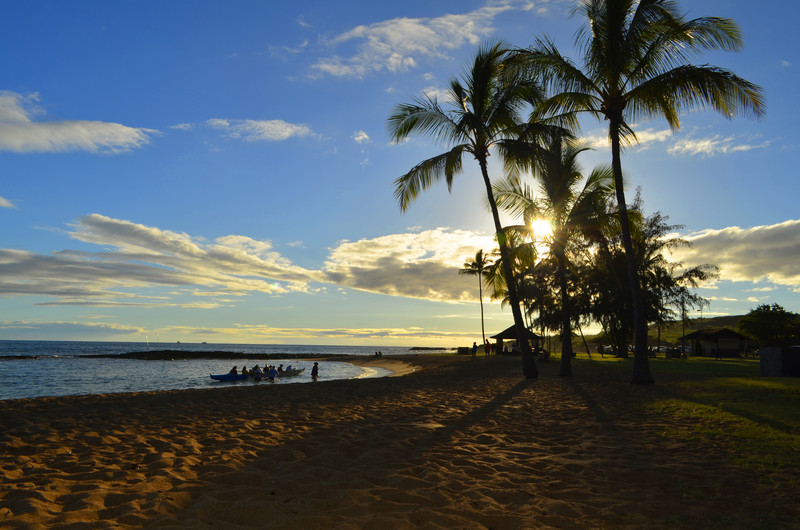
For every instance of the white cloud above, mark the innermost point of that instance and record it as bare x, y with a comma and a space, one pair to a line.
360, 137
599, 139
259, 130
400, 44
785, 63
418, 265
761, 253
690, 145
440, 94
5, 203
19, 133
183, 126
141, 266
140, 261
711, 146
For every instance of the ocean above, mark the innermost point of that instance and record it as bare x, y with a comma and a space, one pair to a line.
31, 369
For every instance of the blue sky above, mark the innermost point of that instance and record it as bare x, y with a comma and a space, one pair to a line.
221, 171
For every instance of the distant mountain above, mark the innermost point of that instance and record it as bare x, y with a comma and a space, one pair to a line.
672, 333
715, 322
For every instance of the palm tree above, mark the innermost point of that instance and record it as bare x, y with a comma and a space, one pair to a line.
636, 57
570, 212
484, 111
478, 267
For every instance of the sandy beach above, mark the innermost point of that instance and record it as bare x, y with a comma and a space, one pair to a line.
450, 442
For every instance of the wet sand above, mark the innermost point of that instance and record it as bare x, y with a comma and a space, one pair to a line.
451, 442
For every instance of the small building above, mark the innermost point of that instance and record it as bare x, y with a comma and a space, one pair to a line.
722, 342
510, 334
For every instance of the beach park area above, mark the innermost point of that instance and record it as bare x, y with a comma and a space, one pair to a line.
448, 442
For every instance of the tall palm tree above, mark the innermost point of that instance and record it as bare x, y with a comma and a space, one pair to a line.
636, 64
484, 110
478, 267
570, 210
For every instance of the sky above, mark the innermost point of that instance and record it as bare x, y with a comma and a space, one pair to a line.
221, 171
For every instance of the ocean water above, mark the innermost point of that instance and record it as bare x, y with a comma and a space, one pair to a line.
55, 368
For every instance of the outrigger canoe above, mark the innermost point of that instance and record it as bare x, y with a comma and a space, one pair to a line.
230, 377
245, 377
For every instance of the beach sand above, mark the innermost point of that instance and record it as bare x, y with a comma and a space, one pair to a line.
454, 443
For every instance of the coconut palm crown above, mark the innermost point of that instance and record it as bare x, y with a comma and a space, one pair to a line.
478, 266
637, 64
483, 111
571, 209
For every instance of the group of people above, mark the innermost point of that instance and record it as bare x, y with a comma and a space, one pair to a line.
257, 373
270, 372
487, 348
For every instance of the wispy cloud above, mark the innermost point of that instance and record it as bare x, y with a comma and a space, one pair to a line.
254, 334
686, 145
287, 52
5, 203
400, 44
20, 133
599, 139
713, 145
67, 329
260, 130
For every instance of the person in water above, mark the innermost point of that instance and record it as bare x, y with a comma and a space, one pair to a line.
256, 371
244, 371
272, 373
234, 371
315, 371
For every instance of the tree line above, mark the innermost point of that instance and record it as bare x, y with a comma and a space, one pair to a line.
524, 105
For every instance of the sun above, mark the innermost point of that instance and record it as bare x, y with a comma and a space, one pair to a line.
542, 229
542, 232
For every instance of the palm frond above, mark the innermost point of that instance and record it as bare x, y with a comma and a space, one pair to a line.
426, 173
423, 116
690, 87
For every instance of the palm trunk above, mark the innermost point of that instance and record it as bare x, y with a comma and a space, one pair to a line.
480, 294
565, 369
528, 363
585, 344
641, 366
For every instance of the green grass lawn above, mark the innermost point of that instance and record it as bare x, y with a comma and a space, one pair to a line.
728, 404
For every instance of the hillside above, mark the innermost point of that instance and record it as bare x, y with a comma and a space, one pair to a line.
670, 335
